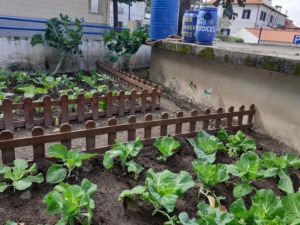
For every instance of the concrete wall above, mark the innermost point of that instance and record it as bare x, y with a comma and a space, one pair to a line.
275, 95
17, 53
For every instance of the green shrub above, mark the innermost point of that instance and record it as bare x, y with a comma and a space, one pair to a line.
227, 38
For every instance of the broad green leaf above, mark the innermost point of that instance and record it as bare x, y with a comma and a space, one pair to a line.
35, 179
285, 182
166, 145
22, 184
56, 173
3, 186
266, 205
238, 208
241, 189
109, 157
293, 160
138, 190
32, 169
73, 158
222, 135
291, 205
84, 156
183, 182
89, 187
132, 166
20, 164
58, 151
3, 169
168, 201
10, 223
134, 147
54, 202
185, 220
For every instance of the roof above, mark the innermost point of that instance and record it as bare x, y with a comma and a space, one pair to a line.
289, 25
251, 2
285, 36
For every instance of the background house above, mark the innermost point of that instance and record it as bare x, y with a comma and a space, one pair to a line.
255, 14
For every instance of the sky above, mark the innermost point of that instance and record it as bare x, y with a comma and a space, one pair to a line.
293, 8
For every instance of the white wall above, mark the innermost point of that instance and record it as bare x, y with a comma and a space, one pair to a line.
18, 51
246, 36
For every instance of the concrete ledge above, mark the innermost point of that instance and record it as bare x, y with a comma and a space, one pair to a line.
283, 59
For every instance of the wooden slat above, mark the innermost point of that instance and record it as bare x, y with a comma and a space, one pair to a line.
80, 108
230, 118
48, 118
206, 122
218, 121
194, 113
90, 142
111, 137
8, 153
147, 131
164, 128
95, 106
65, 128
38, 150
131, 132
64, 109
108, 104
178, 127
132, 102
144, 101
250, 117
240, 118
28, 113
8, 114
153, 99
121, 103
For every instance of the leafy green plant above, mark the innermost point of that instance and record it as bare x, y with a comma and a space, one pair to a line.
73, 202
124, 152
236, 143
247, 169
4, 95
162, 190
70, 158
3, 75
166, 145
122, 43
209, 175
266, 208
30, 91
291, 205
19, 175
68, 81
282, 163
206, 146
208, 215
21, 77
48, 82
62, 34
10, 223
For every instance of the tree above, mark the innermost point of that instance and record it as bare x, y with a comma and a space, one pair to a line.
227, 5
115, 8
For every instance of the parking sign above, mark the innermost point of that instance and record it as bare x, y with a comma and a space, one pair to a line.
296, 40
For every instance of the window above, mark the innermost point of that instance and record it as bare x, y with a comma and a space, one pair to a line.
246, 14
94, 6
263, 16
271, 19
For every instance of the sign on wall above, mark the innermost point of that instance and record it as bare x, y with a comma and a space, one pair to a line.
296, 40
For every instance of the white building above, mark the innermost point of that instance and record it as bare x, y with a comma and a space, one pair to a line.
137, 12
255, 14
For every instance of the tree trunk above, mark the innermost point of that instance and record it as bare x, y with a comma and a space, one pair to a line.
184, 5
115, 10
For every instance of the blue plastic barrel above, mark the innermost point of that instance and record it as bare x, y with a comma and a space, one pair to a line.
164, 18
206, 27
189, 21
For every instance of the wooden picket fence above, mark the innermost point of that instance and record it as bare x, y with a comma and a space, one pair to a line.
210, 122
115, 105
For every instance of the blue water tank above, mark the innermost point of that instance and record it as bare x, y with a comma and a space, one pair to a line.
164, 18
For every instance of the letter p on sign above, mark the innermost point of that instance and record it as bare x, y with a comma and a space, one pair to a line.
296, 40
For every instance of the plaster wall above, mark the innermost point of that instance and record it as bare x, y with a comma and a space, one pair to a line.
17, 53
275, 95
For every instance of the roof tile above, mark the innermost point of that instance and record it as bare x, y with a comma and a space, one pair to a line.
286, 36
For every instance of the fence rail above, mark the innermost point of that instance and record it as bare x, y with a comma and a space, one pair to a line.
115, 105
210, 122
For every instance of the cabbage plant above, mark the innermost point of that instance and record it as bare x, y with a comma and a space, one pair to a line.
166, 145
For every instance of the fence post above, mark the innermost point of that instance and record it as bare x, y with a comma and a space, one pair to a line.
164, 128
90, 142
132, 132
47, 111
95, 106
80, 108
229, 118
218, 121
194, 112
144, 100
250, 117
38, 150
8, 115
206, 122
240, 118
111, 137
28, 113
108, 104
147, 130
63, 129
178, 126
8, 154
64, 107
132, 102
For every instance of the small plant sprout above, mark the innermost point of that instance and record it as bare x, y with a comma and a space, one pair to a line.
19, 175
209, 175
237, 143
125, 152
73, 202
166, 145
162, 190
71, 159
